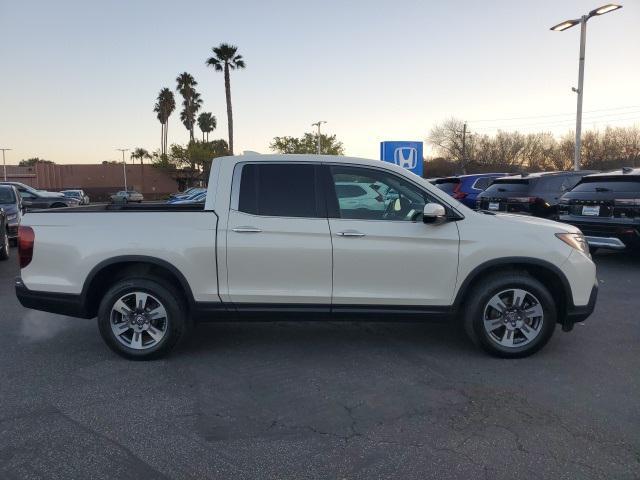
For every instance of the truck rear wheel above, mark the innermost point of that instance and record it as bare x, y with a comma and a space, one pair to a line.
142, 319
510, 315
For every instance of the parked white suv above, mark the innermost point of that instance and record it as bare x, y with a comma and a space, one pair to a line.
274, 240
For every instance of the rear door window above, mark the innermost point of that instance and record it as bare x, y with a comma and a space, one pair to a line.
279, 190
482, 183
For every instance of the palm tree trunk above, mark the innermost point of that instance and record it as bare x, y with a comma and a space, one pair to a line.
227, 88
166, 135
161, 138
203, 137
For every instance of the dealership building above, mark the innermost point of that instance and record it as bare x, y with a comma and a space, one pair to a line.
98, 181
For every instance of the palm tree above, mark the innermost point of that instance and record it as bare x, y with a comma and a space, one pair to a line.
207, 123
191, 101
164, 107
226, 58
141, 154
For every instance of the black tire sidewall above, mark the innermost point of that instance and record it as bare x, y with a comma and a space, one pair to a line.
176, 317
4, 246
474, 323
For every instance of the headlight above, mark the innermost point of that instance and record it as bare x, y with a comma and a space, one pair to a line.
12, 217
575, 240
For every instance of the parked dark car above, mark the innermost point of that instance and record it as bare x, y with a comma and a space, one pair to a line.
606, 207
466, 188
534, 194
11, 203
34, 199
4, 236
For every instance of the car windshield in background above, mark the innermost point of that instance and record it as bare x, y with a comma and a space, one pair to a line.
448, 185
72, 194
509, 186
7, 196
608, 185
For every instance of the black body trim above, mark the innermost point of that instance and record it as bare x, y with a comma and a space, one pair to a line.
579, 314
61, 303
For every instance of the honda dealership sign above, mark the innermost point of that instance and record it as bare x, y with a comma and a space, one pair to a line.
404, 154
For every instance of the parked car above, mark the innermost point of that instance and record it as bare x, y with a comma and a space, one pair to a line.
534, 194
4, 236
466, 188
11, 204
272, 240
35, 199
198, 197
184, 193
354, 196
78, 194
126, 196
606, 208
193, 192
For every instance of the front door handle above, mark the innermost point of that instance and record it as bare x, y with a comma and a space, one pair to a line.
350, 233
246, 230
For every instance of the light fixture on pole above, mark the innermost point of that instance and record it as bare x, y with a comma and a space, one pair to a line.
317, 124
124, 166
4, 165
610, 7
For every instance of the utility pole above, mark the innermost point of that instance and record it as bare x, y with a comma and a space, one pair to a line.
464, 148
4, 165
317, 124
124, 166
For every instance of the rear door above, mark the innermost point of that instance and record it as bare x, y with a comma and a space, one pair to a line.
278, 242
388, 256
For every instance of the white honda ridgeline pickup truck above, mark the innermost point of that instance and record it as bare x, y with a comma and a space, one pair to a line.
300, 237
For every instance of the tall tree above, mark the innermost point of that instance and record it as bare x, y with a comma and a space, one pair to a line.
207, 123
191, 101
225, 59
308, 143
164, 107
140, 154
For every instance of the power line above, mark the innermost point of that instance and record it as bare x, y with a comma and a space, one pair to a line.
552, 114
591, 119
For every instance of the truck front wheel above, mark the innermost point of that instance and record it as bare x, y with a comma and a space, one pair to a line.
510, 314
142, 319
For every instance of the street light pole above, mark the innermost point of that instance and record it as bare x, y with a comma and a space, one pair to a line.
4, 165
124, 166
578, 147
610, 7
317, 124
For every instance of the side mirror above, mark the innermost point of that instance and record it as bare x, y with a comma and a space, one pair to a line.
433, 213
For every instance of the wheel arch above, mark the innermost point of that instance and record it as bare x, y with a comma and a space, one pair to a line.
545, 272
108, 271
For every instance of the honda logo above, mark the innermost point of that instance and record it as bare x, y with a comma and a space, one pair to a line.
405, 157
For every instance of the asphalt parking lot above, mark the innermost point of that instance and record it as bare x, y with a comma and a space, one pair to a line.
323, 400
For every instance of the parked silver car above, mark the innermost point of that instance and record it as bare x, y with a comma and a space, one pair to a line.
127, 196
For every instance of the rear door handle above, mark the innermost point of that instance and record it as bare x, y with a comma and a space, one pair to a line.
350, 233
246, 230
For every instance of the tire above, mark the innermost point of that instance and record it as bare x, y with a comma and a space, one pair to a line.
4, 246
531, 325
173, 326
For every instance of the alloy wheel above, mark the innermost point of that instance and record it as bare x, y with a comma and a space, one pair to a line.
139, 320
513, 318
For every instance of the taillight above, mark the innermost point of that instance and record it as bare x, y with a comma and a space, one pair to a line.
457, 194
26, 239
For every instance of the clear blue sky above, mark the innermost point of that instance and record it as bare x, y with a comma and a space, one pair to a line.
79, 78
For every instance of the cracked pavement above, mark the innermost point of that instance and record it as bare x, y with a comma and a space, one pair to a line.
323, 399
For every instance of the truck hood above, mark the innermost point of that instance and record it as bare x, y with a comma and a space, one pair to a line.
558, 227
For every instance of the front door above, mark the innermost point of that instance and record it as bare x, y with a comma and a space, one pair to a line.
383, 253
278, 242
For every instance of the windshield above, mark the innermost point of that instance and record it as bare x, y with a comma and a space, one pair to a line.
72, 194
7, 196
